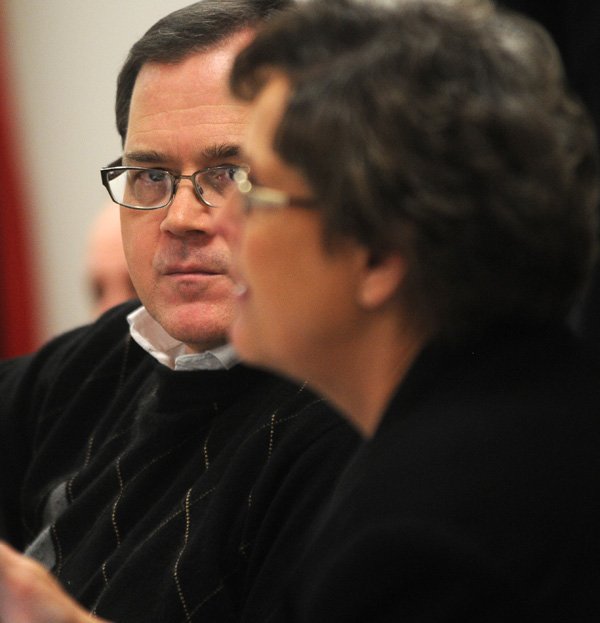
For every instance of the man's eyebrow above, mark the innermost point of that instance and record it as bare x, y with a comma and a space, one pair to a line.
153, 157
211, 153
220, 152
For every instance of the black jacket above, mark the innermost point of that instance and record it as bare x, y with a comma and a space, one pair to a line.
478, 498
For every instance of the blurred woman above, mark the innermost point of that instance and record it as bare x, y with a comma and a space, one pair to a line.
417, 219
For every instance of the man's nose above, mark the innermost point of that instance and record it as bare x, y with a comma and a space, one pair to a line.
186, 213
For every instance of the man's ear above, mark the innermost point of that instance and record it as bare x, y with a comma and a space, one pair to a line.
382, 278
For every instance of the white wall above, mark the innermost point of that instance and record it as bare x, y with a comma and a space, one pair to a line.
65, 56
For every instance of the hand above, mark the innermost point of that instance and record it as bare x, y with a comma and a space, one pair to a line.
29, 594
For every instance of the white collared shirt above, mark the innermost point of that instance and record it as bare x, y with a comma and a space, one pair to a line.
172, 353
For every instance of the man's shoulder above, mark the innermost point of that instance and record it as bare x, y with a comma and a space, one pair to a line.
92, 341
71, 354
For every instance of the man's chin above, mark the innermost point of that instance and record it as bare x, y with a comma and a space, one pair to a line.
198, 325
195, 287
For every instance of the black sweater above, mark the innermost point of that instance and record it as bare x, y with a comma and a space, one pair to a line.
478, 498
157, 495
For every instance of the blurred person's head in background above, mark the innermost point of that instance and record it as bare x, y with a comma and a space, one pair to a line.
106, 275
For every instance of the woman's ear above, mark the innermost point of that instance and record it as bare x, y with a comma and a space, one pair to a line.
382, 278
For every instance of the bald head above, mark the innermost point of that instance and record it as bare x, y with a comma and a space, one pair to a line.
107, 276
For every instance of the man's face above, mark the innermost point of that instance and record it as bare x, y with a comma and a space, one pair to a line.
183, 119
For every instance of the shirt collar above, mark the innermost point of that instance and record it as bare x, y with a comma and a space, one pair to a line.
150, 335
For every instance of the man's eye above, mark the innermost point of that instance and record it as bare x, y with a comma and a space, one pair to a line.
150, 176
219, 178
148, 187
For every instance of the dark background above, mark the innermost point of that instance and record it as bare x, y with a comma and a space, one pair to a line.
575, 27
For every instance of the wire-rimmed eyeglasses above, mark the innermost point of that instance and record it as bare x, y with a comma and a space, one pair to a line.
261, 197
143, 188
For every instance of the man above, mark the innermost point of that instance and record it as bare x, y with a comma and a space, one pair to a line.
155, 477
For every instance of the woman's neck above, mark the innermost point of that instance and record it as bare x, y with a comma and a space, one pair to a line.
364, 376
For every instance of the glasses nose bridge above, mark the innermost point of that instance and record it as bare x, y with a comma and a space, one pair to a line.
195, 185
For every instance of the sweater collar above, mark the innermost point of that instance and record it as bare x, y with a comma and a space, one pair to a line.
170, 352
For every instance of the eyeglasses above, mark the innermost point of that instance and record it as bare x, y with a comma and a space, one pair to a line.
141, 188
260, 197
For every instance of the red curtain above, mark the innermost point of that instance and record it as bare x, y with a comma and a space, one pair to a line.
18, 321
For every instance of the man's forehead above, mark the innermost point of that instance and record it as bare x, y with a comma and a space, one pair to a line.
211, 132
203, 72
184, 111
185, 95
156, 116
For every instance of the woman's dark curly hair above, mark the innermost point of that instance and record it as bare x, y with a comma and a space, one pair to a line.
445, 131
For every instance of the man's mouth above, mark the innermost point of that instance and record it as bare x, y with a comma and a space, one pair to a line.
182, 262
190, 270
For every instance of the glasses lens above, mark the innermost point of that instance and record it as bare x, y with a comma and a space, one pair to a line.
215, 183
141, 188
